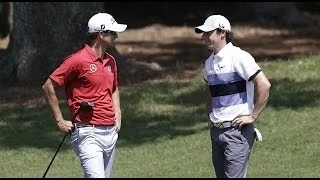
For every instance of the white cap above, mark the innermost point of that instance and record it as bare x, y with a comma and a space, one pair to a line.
103, 22
213, 22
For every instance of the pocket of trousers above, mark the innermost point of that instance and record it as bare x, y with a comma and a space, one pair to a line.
248, 135
74, 141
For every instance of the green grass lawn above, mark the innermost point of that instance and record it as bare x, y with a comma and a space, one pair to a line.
164, 131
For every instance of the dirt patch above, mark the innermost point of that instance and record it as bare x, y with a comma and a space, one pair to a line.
177, 53
168, 44
180, 52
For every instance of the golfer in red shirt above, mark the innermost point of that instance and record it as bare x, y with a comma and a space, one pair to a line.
90, 75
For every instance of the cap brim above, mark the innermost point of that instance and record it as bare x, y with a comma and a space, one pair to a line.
118, 27
203, 28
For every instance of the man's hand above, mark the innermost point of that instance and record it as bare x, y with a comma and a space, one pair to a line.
118, 121
65, 126
242, 120
118, 126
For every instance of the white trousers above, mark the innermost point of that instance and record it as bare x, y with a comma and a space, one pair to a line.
95, 147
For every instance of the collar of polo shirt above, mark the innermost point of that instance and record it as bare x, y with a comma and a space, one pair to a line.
224, 50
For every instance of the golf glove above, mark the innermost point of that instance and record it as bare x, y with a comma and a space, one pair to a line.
258, 135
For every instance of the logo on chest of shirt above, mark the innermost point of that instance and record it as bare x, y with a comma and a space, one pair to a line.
93, 68
109, 68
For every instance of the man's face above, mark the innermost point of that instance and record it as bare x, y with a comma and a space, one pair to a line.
108, 37
212, 39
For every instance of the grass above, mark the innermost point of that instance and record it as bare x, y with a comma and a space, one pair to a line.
164, 131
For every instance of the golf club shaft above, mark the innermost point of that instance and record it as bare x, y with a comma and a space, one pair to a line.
44, 175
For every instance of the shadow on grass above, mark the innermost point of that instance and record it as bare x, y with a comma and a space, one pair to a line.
185, 114
34, 127
29, 127
144, 126
287, 93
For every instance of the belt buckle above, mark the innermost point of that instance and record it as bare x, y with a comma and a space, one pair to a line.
80, 125
218, 125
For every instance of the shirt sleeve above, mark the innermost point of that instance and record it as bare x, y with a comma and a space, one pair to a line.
246, 66
66, 71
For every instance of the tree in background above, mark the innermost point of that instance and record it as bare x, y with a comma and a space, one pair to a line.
42, 34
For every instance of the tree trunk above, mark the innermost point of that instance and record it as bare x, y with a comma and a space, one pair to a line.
5, 24
43, 33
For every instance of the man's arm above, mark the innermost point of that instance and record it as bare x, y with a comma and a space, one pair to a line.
262, 88
51, 98
116, 104
208, 100
208, 104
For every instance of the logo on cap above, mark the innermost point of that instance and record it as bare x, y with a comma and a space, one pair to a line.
221, 26
112, 20
103, 26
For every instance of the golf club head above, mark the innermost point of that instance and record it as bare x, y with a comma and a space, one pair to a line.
86, 105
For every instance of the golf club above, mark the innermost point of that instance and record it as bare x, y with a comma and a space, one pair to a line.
83, 105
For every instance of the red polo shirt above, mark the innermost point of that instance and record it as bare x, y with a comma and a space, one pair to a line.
87, 77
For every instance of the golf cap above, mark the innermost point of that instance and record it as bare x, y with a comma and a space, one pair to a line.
213, 22
103, 22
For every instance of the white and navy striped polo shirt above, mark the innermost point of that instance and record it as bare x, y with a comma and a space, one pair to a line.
228, 75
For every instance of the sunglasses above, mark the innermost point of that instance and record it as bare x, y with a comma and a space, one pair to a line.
111, 32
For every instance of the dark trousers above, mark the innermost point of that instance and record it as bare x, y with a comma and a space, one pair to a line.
230, 150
